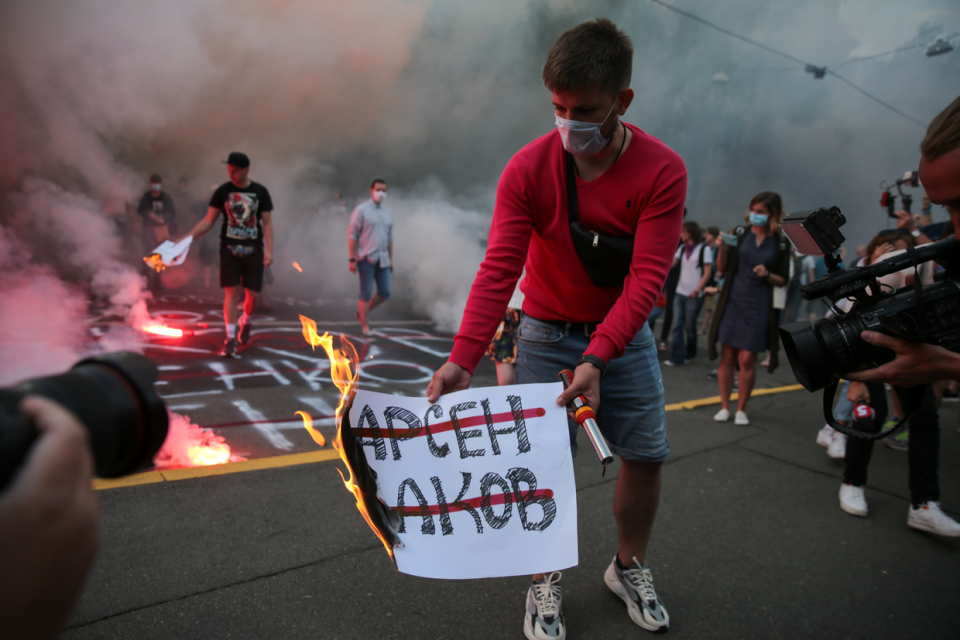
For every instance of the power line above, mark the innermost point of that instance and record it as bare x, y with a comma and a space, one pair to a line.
880, 55
874, 98
728, 32
812, 68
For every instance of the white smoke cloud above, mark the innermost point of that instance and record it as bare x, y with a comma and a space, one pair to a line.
326, 96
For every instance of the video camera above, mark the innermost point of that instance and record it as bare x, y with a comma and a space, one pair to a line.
821, 352
113, 397
888, 200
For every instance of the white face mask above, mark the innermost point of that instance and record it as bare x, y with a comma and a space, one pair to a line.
155, 187
379, 196
583, 138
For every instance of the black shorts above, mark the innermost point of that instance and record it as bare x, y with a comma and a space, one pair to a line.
246, 271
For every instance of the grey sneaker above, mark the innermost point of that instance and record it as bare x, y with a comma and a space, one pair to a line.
544, 618
635, 588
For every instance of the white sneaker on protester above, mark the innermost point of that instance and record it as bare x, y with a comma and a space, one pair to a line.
929, 517
741, 420
825, 436
722, 416
838, 448
852, 500
635, 588
544, 618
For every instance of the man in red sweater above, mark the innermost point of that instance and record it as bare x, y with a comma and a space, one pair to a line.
628, 184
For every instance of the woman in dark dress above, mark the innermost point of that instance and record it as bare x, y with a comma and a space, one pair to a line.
744, 321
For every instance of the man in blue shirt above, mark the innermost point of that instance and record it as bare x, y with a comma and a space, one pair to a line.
370, 239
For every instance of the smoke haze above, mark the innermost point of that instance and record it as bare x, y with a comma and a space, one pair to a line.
434, 97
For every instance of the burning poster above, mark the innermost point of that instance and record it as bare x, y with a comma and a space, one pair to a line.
169, 254
482, 481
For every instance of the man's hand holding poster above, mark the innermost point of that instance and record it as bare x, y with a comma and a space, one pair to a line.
482, 480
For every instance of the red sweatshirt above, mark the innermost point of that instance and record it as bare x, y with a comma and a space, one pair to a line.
642, 195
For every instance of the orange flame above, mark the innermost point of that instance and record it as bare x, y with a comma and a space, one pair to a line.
297, 267
154, 261
214, 453
161, 330
308, 425
344, 373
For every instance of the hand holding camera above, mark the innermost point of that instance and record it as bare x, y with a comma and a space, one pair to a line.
49, 525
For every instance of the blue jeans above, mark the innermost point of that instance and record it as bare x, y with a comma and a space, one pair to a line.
368, 273
654, 314
685, 312
631, 415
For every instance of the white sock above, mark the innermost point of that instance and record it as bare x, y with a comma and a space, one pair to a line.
231, 332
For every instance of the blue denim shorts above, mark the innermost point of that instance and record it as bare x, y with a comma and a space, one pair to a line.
843, 410
631, 416
368, 273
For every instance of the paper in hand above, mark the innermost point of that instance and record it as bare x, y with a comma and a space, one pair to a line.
173, 254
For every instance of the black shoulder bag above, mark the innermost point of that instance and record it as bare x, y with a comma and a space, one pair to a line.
606, 259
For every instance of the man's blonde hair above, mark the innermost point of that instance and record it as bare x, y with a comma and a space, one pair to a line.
591, 53
943, 134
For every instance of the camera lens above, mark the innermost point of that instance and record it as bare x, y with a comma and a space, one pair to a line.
112, 395
823, 350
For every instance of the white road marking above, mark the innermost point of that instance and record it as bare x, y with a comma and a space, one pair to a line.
269, 430
193, 393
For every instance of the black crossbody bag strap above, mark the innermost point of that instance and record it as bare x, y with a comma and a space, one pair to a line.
573, 205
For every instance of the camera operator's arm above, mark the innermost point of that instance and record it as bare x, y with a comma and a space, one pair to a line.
906, 221
49, 526
915, 363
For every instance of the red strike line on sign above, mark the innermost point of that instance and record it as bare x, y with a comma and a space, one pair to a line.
440, 427
495, 499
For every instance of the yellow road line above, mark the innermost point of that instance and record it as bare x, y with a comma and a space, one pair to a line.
702, 402
174, 475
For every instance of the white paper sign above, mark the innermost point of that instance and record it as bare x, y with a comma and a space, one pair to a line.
483, 480
173, 254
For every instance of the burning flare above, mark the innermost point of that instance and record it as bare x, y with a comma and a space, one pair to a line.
363, 480
297, 267
189, 445
162, 330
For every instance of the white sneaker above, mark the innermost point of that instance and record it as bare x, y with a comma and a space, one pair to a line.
852, 500
741, 420
825, 436
635, 588
929, 517
838, 448
722, 416
544, 618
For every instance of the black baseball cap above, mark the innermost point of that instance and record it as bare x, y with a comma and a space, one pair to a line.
238, 159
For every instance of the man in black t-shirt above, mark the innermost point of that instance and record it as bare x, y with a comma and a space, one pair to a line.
246, 245
158, 214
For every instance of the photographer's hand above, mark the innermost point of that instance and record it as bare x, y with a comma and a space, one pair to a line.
915, 362
49, 526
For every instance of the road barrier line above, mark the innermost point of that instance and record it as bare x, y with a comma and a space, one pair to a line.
293, 459
702, 402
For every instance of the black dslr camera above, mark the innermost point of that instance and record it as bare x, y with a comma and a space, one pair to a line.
113, 397
821, 352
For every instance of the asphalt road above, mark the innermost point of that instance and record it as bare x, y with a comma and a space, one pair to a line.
749, 539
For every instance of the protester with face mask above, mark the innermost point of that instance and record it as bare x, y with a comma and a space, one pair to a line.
594, 181
158, 214
745, 321
370, 242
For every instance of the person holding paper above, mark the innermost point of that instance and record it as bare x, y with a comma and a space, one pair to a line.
625, 184
246, 245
